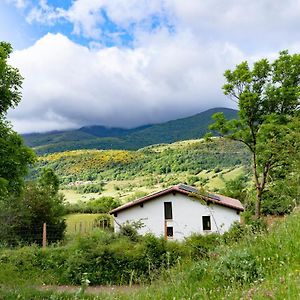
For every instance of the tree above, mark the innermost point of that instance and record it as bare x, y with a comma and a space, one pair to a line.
15, 158
49, 180
14, 155
43, 204
268, 97
10, 81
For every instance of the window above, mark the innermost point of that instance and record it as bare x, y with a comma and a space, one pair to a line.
206, 223
169, 231
168, 210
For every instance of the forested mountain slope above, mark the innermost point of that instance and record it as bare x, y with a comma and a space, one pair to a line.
99, 137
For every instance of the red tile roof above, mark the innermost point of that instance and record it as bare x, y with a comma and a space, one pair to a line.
189, 191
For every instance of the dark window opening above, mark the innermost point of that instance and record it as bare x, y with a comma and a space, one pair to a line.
169, 231
206, 223
168, 210
142, 205
115, 214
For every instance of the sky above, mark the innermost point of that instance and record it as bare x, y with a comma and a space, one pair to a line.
126, 63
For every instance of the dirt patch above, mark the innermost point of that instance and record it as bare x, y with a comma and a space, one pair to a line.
94, 290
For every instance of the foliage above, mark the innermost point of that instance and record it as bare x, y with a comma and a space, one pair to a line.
201, 245
259, 266
268, 97
249, 227
22, 216
42, 206
237, 188
130, 230
10, 81
100, 205
99, 166
15, 158
48, 180
238, 267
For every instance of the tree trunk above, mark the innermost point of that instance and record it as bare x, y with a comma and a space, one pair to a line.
257, 186
258, 203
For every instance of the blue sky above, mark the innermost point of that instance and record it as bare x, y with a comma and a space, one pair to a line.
133, 62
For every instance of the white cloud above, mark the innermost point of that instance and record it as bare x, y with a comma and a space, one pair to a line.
167, 74
44, 13
87, 16
18, 3
68, 85
266, 23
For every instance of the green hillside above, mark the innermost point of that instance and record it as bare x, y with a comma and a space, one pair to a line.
126, 174
99, 137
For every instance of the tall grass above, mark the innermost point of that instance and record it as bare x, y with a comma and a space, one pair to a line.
259, 266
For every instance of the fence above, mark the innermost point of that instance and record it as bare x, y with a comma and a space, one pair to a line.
43, 234
88, 226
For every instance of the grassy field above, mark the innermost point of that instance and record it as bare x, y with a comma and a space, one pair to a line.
80, 223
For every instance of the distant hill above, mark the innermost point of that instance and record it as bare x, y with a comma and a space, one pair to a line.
100, 137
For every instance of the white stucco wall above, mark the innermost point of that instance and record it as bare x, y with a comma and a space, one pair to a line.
187, 216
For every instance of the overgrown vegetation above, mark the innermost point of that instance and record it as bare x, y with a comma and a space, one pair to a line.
248, 260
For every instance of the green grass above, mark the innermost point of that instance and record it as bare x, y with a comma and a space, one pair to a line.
80, 223
261, 266
72, 196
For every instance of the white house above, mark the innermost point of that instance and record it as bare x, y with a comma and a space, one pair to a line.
179, 211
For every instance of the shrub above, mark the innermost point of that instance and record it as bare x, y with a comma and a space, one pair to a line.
238, 266
130, 230
241, 231
200, 245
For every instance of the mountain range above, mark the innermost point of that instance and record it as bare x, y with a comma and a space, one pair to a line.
101, 137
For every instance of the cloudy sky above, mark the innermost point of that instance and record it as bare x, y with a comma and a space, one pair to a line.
133, 62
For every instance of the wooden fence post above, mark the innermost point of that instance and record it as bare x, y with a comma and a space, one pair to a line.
44, 236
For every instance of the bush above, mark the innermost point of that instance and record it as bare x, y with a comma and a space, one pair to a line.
130, 230
200, 245
241, 231
239, 266
274, 205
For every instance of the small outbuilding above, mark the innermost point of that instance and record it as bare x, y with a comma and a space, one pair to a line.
179, 211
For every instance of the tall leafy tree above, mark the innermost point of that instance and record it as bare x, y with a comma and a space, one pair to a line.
268, 97
14, 155
10, 81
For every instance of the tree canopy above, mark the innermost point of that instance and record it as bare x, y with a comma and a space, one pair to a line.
268, 97
10, 81
14, 155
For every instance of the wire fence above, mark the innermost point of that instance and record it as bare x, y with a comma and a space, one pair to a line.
88, 226
44, 234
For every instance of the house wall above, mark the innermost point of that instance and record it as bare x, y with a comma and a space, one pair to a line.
187, 216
